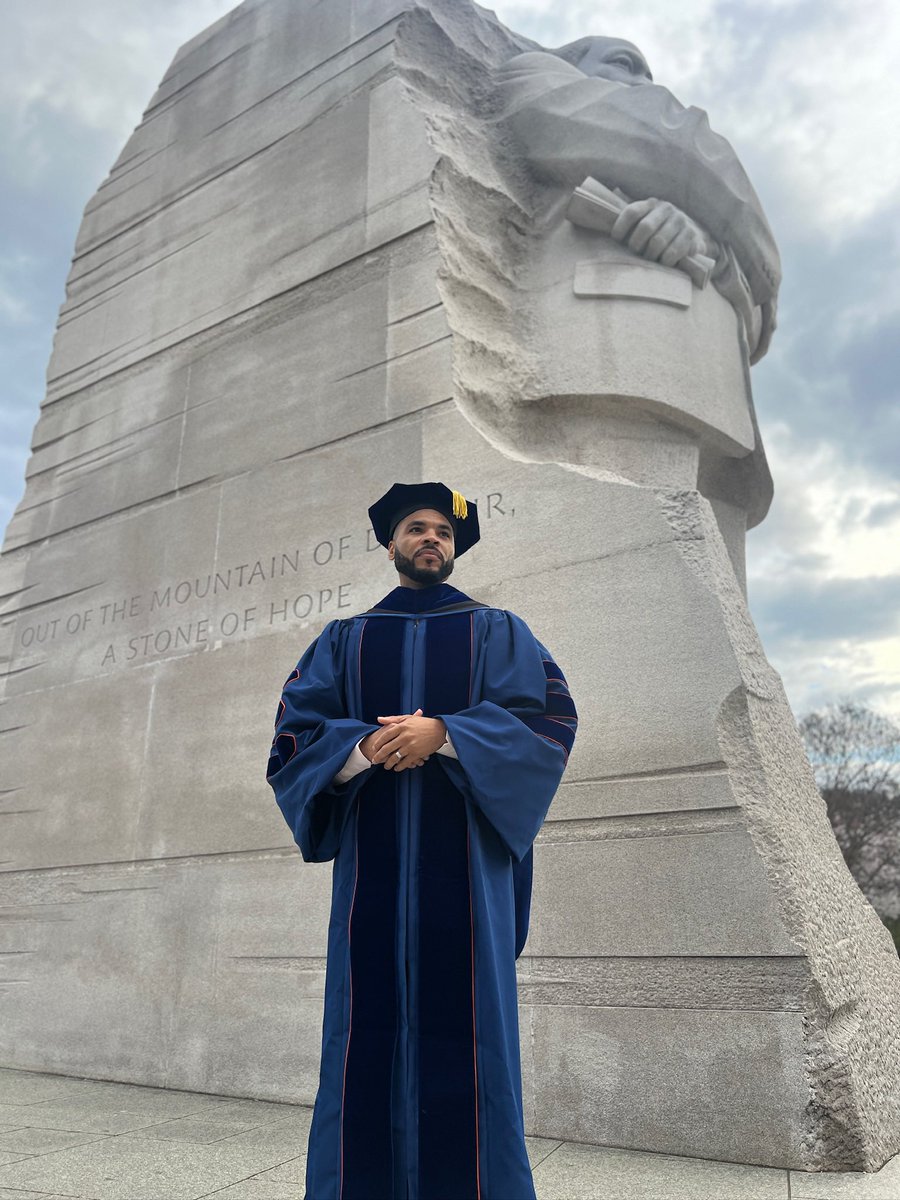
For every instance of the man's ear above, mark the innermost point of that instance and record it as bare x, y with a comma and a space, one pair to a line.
391, 549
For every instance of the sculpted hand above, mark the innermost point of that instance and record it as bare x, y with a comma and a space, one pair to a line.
769, 322
414, 737
659, 231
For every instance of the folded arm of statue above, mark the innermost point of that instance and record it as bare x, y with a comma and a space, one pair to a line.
591, 112
655, 229
661, 232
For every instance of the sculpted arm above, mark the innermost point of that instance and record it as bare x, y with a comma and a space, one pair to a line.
689, 192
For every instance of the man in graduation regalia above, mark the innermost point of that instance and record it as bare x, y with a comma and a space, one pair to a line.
419, 745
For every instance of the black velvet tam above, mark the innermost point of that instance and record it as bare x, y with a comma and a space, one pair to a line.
405, 498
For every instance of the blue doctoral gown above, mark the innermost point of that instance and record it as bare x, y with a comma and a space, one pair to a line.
420, 1094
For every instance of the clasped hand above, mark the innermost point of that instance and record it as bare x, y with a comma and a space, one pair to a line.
659, 231
415, 738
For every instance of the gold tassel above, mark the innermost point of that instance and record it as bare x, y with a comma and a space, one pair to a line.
460, 508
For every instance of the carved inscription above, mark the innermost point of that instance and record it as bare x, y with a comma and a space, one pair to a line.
214, 605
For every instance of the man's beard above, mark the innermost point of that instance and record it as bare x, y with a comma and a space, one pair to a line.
408, 567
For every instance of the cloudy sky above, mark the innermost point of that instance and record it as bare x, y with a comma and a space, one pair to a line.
808, 93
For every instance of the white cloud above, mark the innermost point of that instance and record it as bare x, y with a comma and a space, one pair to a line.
817, 534
867, 671
92, 65
822, 505
831, 112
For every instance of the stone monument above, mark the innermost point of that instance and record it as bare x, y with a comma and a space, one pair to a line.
377, 240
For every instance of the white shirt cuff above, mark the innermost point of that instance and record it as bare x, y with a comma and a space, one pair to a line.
448, 749
356, 762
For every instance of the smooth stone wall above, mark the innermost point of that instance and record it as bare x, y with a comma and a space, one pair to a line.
717, 1084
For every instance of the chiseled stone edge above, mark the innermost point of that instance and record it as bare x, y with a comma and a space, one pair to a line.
755, 982
637, 825
852, 1019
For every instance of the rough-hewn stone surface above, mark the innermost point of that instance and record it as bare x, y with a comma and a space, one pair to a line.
303, 280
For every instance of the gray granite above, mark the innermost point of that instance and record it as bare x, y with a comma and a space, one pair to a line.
292, 1171
257, 1188
8, 1157
267, 1162
19, 1194
258, 1112
539, 1148
79, 1118
705, 1083
684, 876
103, 1094
36, 1140
705, 787
843, 1185
138, 1168
577, 1172
753, 983
189, 1129
26, 1087
282, 1140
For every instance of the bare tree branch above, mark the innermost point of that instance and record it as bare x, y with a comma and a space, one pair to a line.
855, 753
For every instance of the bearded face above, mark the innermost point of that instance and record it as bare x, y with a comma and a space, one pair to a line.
422, 548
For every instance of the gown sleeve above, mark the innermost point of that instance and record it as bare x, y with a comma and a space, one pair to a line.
513, 745
314, 736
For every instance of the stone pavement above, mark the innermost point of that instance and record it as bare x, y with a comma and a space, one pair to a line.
66, 1138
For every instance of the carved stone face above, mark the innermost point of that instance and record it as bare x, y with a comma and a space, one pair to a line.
608, 58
